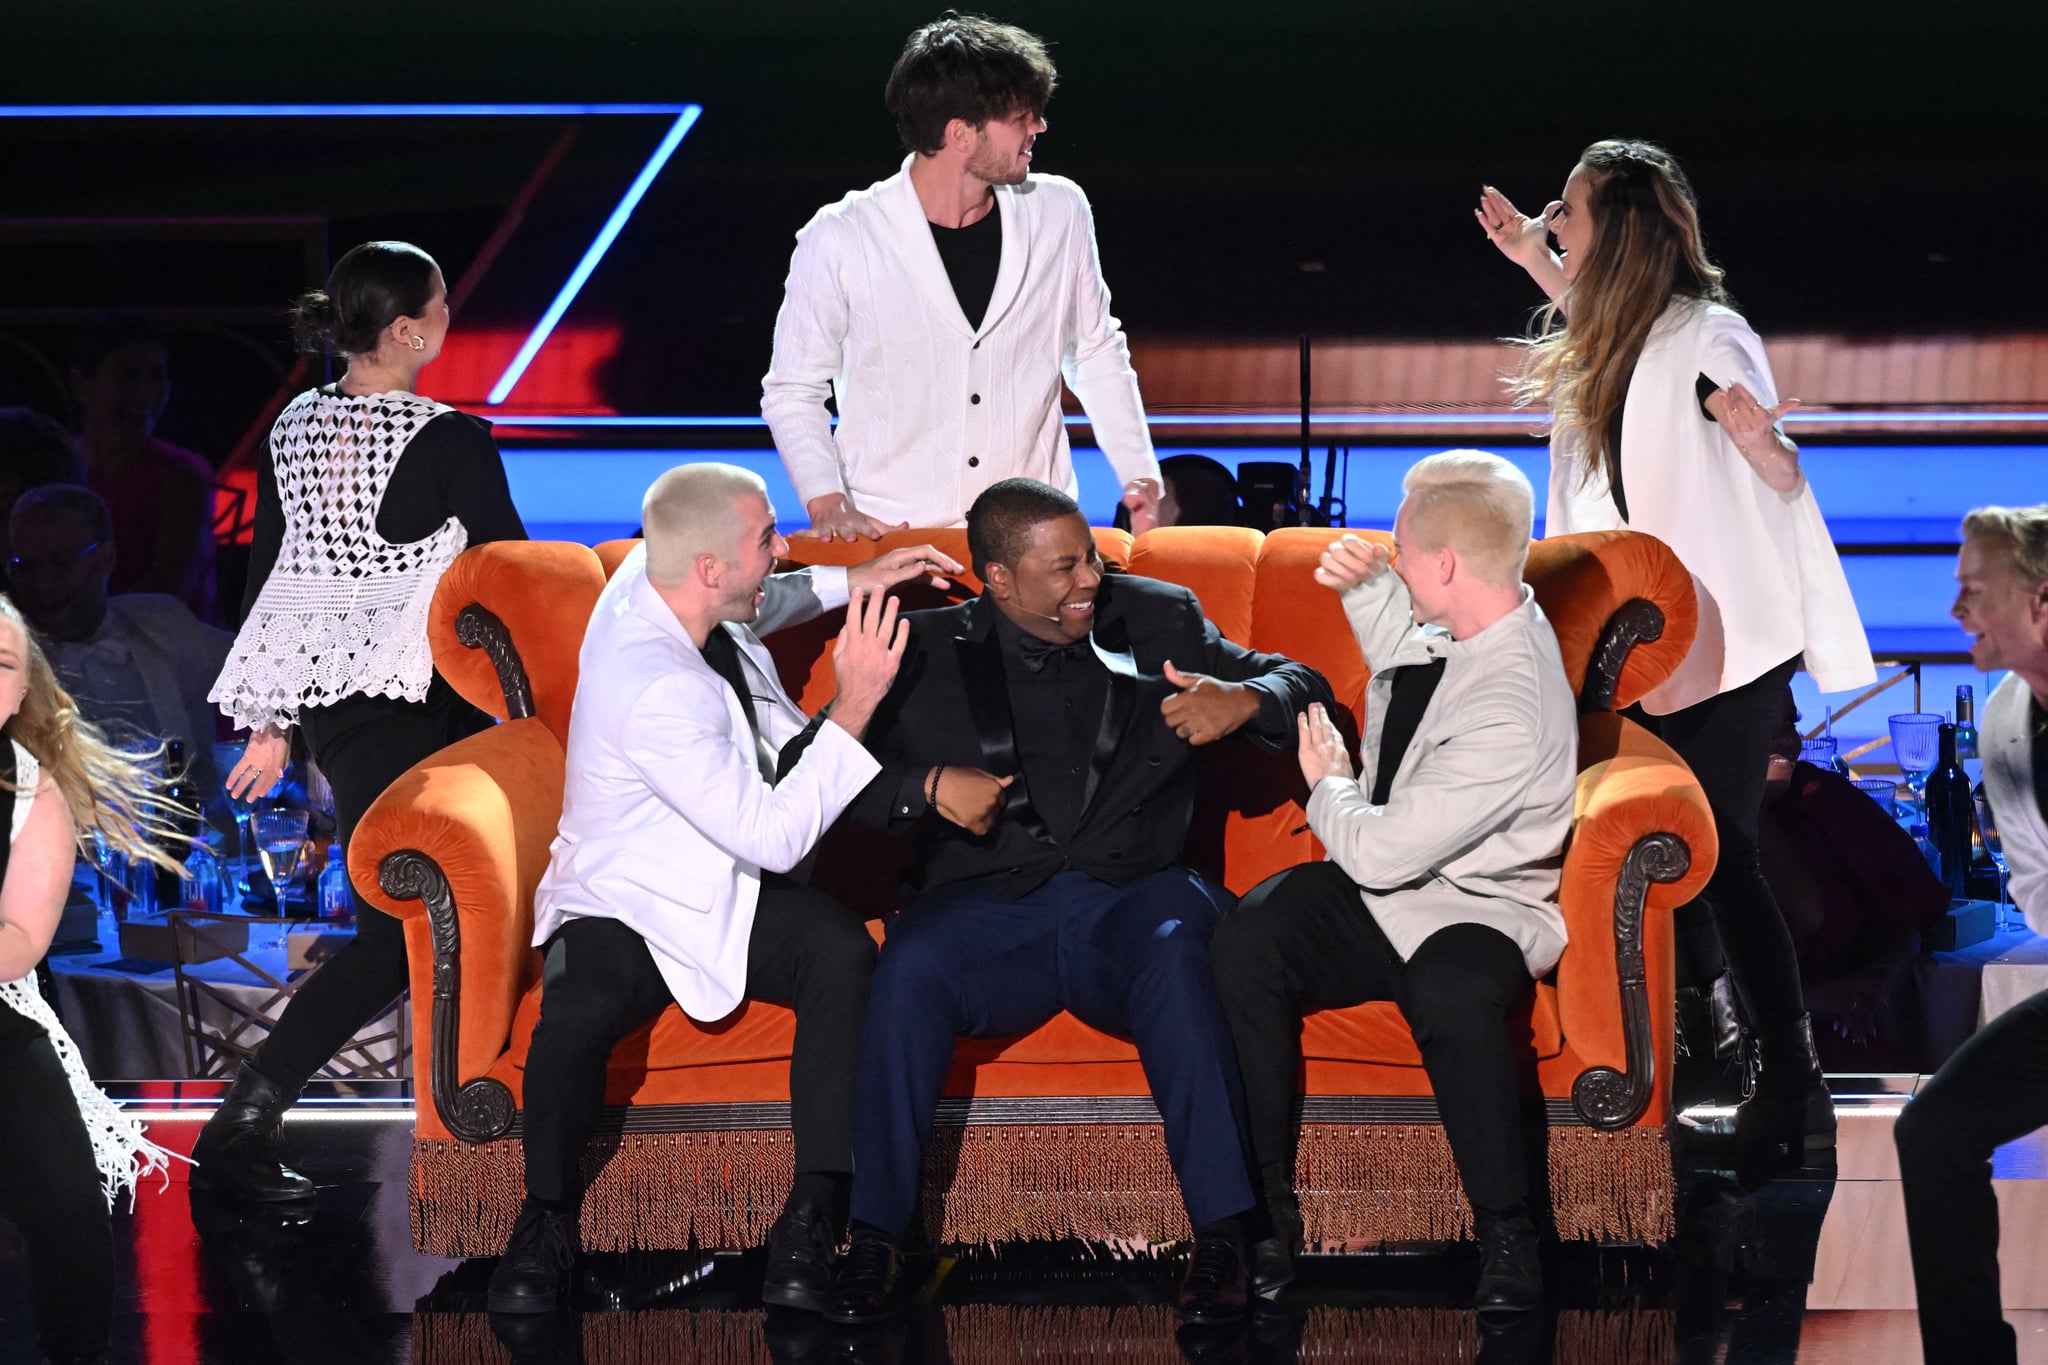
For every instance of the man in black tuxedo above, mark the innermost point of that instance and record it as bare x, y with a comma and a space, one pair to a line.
1041, 738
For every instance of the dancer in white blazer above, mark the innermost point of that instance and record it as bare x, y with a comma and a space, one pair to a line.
943, 307
1665, 420
1994, 1090
695, 787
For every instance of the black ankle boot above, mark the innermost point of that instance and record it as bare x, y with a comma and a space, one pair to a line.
534, 1274
1791, 1112
236, 1156
1510, 1269
1272, 1256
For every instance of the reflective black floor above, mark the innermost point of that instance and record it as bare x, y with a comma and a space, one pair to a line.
343, 1284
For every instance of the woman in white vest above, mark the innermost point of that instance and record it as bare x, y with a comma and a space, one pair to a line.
1664, 419
365, 493
70, 1150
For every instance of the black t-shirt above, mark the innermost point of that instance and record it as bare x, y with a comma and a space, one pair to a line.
1414, 685
1703, 386
972, 256
451, 468
2040, 720
1056, 698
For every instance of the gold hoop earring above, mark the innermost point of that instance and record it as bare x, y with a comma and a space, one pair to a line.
418, 343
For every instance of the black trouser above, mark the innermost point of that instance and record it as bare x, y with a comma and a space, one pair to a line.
600, 982
50, 1190
1303, 940
1726, 741
1992, 1091
363, 744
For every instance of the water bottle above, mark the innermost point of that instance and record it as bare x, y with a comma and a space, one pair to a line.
337, 900
1951, 816
1966, 733
200, 885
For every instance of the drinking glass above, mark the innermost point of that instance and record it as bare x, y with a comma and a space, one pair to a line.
1916, 742
226, 755
281, 846
1819, 751
1882, 790
1987, 830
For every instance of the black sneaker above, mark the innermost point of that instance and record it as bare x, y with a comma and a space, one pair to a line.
866, 1279
1216, 1288
533, 1276
800, 1247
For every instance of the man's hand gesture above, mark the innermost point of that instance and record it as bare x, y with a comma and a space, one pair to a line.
1322, 751
1350, 561
1206, 709
865, 659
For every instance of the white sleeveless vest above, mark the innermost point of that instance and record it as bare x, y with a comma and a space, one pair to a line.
344, 610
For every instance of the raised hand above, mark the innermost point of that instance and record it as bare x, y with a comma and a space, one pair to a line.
1743, 418
1321, 752
1351, 560
1142, 497
900, 566
1522, 239
864, 662
835, 517
971, 798
1206, 709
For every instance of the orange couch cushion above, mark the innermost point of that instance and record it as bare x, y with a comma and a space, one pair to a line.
544, 592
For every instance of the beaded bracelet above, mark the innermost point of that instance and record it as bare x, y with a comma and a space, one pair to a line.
931, 791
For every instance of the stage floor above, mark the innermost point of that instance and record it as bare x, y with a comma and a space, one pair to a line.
1811, 1268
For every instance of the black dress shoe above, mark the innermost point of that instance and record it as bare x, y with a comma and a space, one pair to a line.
534, 1274
800, 1249
1273, 1257
237, 1153
540, 1338
867, 1277
1216, 1288
1510, 1269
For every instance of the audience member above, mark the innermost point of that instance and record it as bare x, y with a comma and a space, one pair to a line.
159, 495
139, 665
34, 450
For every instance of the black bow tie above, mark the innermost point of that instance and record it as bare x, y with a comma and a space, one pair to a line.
1036, 653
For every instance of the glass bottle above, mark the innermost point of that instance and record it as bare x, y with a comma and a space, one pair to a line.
1951, 815
1966, 733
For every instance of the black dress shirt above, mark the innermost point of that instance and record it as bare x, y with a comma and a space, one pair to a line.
1414, 685
1056, 695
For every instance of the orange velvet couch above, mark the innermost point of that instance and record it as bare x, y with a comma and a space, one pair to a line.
1052, 1134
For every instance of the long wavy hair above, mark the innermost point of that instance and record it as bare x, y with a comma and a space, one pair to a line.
111, 794
1646, 249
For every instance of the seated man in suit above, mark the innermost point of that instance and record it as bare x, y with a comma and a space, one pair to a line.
694, 786
1042, 738
1440, 889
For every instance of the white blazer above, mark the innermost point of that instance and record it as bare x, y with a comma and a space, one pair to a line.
2006, 744
931, 410
1763, 566
670, 812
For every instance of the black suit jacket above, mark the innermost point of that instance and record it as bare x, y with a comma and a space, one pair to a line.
950, 704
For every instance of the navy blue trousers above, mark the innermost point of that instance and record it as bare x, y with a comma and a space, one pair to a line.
1129, 960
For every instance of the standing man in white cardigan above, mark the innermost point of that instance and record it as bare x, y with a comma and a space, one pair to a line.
943, 307
693, 786
1995, 1088
1440, 892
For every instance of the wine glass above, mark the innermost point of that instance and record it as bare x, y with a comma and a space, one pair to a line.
1882, 790
1987, 830
1916, 742
281, 845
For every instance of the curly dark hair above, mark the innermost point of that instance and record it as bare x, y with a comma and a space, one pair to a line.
967, 67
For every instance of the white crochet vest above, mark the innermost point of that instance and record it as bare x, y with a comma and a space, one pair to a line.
119, 1148
344, 610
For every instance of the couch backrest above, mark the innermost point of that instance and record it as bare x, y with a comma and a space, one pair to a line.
542, 593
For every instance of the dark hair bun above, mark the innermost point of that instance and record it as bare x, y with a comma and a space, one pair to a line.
370, 287
313, 320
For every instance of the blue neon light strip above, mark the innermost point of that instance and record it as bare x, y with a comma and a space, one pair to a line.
613, 225
329, 110
1274, 419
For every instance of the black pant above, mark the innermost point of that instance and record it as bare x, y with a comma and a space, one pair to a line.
1726, 741
1303, 940
50, 1191
600, 982
1992, 1091
363, 744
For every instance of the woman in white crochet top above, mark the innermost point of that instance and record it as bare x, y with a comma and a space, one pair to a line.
365, 493
69, 1149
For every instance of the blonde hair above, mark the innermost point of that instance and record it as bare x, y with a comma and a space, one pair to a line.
2023, 529
688, 512
110, 794
1477, 503
1646, 249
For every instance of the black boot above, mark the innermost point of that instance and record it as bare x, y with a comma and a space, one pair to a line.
534, 1274
1272, 1256
800, 1248
1510, 1269
236, 1156
1791, 1113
